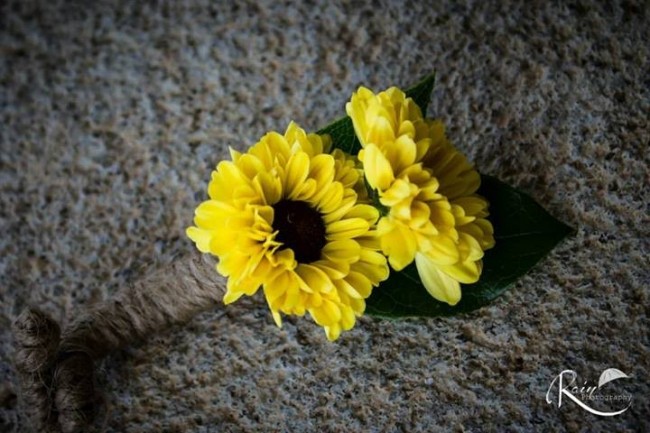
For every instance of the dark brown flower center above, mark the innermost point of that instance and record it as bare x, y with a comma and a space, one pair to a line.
299, 227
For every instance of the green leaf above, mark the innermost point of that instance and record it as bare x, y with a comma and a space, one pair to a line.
343, 136
342, 131
524, 234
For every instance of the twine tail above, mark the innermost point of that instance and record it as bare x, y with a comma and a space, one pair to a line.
37, 339
167, 297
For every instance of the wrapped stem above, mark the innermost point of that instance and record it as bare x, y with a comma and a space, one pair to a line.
37, 341
164, 298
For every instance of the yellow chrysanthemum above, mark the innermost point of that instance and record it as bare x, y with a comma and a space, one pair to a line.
284, 216
434, 216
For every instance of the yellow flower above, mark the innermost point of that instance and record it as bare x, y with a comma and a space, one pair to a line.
284, 216
391, 131
434, 216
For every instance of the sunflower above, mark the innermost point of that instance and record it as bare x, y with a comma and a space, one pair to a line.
284, 216
434, 216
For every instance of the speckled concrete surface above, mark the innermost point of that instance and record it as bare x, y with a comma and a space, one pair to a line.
114, 113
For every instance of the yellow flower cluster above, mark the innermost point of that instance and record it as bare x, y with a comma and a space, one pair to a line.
434, 215
295, 218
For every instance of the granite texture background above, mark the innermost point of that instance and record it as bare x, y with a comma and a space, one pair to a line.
113, 113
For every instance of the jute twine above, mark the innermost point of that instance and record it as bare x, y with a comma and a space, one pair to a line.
55, 370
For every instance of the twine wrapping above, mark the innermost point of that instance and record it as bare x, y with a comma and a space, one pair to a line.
56, 370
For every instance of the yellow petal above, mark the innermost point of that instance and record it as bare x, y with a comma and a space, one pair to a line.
231, 297
335, 270
397, 242
346, 288
294, 133
438, 284
327, 314
465, 272
250, 165
237, 287
441, 249
360, 283
200, 237
314, 279
232, 264
331, 199
322, 170
378, 170
372, 257
441, 215
383, 127
292, 297
296, 173
406, 127
211, 214
399, 191
347, 229
275, 147
401, 153
277, 318
275, 288
344, 207
332, 332
347, 318
374, 273
472, 205
420, 213
315, 300
469, 248
365, 211
306, 191
268, 187
345, 250
356, 109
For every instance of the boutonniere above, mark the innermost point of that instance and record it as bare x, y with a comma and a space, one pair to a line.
377, 213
